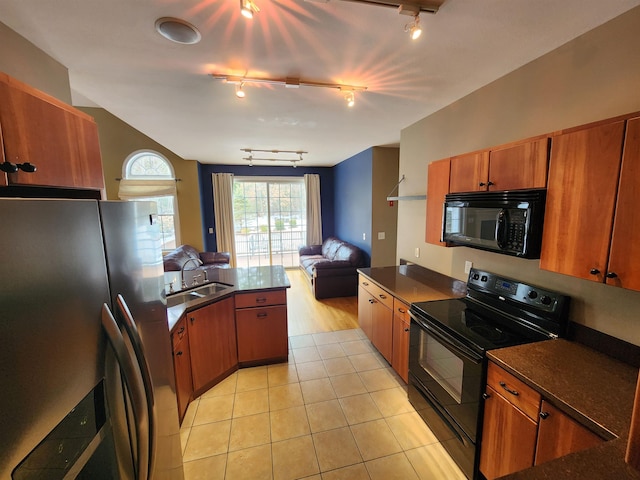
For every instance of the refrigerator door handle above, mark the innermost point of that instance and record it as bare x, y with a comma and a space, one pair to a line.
135, 387
125, 319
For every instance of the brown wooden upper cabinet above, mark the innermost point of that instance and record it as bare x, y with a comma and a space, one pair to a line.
60, 141
591, 219
513, 167
437, 188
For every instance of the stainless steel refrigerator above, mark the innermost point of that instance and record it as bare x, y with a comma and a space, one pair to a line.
87, 386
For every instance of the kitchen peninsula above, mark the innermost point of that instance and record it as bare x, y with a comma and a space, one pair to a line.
238, 318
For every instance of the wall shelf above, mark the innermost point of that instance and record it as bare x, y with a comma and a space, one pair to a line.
407, 197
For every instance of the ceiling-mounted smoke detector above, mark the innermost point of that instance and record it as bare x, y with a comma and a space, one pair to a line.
178, 31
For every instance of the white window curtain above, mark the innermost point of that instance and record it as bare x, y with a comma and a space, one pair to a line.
132, 189
223, 212
314, 215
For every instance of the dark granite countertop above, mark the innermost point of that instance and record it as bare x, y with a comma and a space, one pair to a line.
241, 280
592, 388
413, 283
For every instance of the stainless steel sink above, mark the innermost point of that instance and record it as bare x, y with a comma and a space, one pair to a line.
196, 293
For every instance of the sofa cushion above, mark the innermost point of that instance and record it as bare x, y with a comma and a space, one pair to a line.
210, 258
330, 247
175, 259
348, 253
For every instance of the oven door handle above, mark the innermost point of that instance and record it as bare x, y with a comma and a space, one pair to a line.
447, 342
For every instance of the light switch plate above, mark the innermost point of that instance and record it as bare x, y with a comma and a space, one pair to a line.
417, 252
467, 266
381, 235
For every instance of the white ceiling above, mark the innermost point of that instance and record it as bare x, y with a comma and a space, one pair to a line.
117, 61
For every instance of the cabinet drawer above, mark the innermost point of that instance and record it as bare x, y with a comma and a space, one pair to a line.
376, 292
261, 299
401, 309
515, 391
179, 332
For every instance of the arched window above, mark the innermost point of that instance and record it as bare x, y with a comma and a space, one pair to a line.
147, 175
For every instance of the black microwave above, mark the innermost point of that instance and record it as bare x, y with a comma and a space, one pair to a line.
507, 222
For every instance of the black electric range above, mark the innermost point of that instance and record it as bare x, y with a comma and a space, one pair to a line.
447, 352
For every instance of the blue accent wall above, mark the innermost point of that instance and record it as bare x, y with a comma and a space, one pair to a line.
206, 193
352, 189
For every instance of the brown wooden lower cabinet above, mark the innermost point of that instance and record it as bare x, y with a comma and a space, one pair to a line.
375, 316
508, 438
560, 435
182, 366
209, 343
513, 440
212, 341
401, 332
262, 329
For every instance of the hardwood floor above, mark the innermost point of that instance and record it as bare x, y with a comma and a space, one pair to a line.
307, 315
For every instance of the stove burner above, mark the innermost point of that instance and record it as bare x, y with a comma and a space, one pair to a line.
492, 334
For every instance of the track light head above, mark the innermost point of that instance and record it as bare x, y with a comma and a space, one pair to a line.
414, 28
248, 8
239, 91
350, 98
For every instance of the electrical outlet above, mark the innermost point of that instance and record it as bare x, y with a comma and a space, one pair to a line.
210, 229
467, 266
364, 236
381, 235
417, 252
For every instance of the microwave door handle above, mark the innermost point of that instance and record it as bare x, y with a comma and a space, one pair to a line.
135, 388
501, 228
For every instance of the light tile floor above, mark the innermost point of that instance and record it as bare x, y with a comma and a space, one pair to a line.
335, 411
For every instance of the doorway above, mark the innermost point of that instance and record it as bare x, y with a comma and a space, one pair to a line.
269, 216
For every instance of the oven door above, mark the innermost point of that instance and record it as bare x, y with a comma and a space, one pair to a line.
451, 374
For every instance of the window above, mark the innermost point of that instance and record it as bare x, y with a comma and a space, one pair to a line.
269, 220
147, 175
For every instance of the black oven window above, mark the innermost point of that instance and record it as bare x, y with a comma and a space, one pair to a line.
443, 365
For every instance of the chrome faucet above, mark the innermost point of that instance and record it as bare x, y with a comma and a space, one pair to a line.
198, 263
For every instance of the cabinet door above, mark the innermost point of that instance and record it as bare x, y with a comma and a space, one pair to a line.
262, 333
365, 305
560, 435
437, 188
583, 180
382, 320
182, 367
508, 438
212, 340
401, 331
469, 173
624, 259
519, 166
60, 141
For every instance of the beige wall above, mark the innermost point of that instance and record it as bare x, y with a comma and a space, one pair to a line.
593, 77
118, 140
24, 61
21, 59
383, 217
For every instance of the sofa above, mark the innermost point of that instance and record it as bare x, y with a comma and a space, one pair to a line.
331, 268
176, 259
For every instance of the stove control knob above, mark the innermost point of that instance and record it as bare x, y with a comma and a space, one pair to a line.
532, 294
545, 300
476, 276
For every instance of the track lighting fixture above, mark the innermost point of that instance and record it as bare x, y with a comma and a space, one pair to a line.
288, 82
294, 161
248, 8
